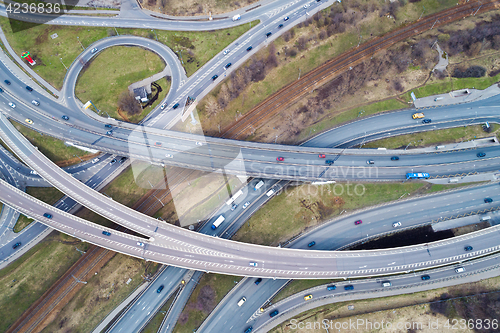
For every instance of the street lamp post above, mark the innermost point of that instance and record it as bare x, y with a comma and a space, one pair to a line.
63, 64
78, 157
155, 34
78, 38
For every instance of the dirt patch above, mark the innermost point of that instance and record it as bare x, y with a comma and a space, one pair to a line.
76, 160
122, 114
194, 7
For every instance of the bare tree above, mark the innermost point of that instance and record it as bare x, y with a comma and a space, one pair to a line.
128, 103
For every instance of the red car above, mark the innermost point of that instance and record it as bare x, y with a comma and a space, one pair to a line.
280, 159
358, 222
321, 155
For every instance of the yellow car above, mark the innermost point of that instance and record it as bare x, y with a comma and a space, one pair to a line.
308, 297
29, 121
418, 115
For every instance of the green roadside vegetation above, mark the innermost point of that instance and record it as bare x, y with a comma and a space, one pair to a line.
27, 278
109, 75
49, 195
196, 47
154, 325
434, 137
193, 7
297, 286
207, 294
53, 149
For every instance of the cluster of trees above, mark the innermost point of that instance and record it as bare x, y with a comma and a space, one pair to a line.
472, 71
128, 103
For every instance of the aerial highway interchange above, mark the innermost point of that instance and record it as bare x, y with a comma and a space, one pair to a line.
182, 248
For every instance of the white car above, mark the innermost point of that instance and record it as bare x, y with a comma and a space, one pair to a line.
35, 102
254, 264
245, 205
226, 51
12, 105
33, 172
198, 143
94, 50
95, 160
169, 155
140, 244
306, 6
163, 106
396, 224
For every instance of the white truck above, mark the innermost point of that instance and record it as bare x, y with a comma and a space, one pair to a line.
237, 17
258, 185
218, 222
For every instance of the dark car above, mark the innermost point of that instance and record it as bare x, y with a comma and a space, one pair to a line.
106, 233
481, 154
15, 246
249, 48
6, 82
269, 34
332, 287
108, 126
349, 287
176, 105
160, 288
259, 280
65, 117
488, 200
468, 248
227, 65
329, 162
280, 26
47, 215
425, 277
426, 121
274, 313
311, 244
248, 330
233, 207
358, 222
1, 90
215, 77
321, 155
123, 159
395, 158
29, 88
113, 161
280, 159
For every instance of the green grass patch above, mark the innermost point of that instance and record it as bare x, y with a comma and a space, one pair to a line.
218, 286
22, 222
154, 325
436, 137
54, 149
27, 278
111, 72
297, 286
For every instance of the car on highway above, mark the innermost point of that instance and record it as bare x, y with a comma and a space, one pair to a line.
322, 156
215, 77
160, 288
370, 162
47, 215
332, 287
280, 159
106, 233
349, 287
459, 270
280, 26
95, 160
396, 224
259, 280
35, 102
113, 161
386, 283
12, 105
329, 162
394, 158
311, 244
7, 82
176, 105
286, 18
140, 243
488, 200
15, 246
1, 90
242, 300
29, 88
33, 172
245, 205
227, 66
426, 121
226, 51
169, 155
418, 115
163, 106
274, 313
254, 264
108, 126
481, 154
358, 222
306, 6
94, 50
109, 132
308, 297
269, 34
158, 144
198, 143
233, 207
123, 159
29, 121
249, 48
249, 329
65, 117
468, 248
425, 277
